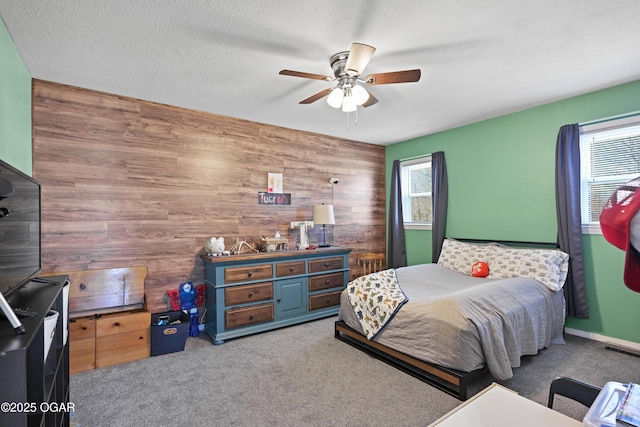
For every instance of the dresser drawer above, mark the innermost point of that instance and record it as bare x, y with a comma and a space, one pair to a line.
325, 264
329, 299
248, 293
82, 328
124, 347
113, 324
82, 355
293, 268
243, 274
244, 316
326, 281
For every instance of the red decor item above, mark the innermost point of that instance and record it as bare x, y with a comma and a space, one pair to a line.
480, 269
174, 299
620, 224
201, 295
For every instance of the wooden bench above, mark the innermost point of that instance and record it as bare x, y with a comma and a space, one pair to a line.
108, 321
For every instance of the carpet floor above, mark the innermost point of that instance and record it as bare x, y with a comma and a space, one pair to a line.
303, 376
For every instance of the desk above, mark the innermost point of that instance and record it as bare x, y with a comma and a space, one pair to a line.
497, 406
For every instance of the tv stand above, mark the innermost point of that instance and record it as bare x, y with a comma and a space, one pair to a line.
35, 380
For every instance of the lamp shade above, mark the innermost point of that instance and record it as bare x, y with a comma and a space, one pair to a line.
348, 103
335, 97
360, 94
323, 215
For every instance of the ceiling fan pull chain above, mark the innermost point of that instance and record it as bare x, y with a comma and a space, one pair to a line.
347, 121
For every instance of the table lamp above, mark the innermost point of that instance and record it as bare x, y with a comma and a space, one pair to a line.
323, 215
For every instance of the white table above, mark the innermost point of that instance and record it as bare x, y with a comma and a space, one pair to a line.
498, 406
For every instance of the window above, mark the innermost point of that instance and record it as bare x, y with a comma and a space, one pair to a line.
416, 191
609, 157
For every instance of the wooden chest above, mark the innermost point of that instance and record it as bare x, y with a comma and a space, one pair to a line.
108, 323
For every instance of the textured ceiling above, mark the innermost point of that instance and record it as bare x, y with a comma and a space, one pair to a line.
479, 59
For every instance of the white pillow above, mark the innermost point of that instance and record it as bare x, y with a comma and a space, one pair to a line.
548, 266
460, 256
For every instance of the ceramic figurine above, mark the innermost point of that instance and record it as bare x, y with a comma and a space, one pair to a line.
214, 247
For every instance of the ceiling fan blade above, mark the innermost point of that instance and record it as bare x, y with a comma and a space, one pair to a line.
314, 98
406, 76
305, 75
359, 57
372, 100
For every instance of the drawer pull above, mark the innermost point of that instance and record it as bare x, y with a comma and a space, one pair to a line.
116, 324
251, 316
250, 274
250, 294
291, 269
83, 286
328, 300
327, 281
326, 264
279, 299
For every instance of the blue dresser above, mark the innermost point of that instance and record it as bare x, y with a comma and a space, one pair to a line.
250, 293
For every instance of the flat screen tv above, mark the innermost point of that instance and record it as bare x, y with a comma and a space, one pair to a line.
20, 251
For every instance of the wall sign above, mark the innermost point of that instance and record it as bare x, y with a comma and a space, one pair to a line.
274, 198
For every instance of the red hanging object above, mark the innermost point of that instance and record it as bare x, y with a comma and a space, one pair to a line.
616, 218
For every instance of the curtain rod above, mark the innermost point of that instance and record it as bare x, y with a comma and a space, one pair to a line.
608, 119
414, 157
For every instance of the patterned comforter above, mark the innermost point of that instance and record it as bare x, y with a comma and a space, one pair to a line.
375, 299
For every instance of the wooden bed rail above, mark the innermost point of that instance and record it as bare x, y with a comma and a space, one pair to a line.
450, 381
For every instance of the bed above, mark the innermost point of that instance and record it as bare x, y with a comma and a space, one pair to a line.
452, 327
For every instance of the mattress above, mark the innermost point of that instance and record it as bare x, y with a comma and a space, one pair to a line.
464, 323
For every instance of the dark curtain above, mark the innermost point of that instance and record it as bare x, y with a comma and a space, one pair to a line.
569, 221
397, 256
440, 191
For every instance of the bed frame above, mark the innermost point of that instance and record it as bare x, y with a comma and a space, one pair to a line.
449, 380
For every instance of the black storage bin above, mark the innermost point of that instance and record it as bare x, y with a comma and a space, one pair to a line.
169, 338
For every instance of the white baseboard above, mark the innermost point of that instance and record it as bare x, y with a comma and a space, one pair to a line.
615, 342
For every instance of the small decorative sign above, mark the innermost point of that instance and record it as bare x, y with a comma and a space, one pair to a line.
274, 182
274, 198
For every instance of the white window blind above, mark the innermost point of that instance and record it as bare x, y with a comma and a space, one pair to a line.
609, 157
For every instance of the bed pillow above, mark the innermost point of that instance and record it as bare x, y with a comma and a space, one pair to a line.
548, 266
460, 256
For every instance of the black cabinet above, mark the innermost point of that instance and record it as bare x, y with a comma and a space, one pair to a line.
34, 383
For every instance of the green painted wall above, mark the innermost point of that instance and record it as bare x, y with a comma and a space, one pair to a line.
501, 186
15, 106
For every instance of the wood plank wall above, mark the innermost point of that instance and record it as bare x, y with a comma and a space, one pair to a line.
128, 182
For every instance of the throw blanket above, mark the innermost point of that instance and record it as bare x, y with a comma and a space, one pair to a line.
375, 299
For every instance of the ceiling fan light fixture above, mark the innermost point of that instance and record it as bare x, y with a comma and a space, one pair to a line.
349, 103
335, 97
360, 94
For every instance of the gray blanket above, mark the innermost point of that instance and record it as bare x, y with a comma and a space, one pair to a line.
464, 322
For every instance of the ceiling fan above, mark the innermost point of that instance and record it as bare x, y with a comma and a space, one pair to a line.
347, 69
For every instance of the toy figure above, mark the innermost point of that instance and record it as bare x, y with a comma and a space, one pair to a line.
188, 304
